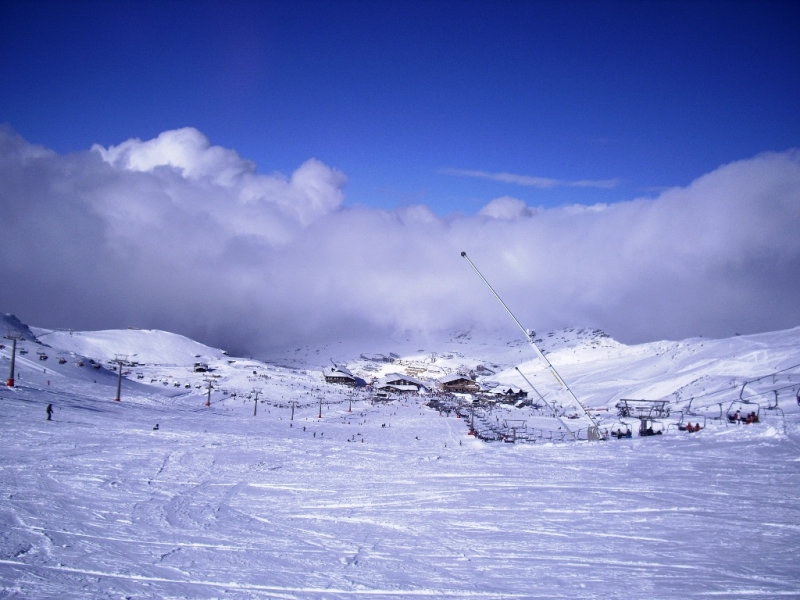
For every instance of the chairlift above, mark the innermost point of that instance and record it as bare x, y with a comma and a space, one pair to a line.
774, 407
648, 427
692, 423
620, 429
744, 411
513, 430
648, 412
643, 409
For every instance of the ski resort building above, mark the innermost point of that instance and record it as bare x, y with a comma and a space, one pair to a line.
459, 384
508, 393
341, 375
394, 382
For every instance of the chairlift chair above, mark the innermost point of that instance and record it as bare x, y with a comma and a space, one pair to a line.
620, 429
648, 427
774, 407
692, 423
744, 411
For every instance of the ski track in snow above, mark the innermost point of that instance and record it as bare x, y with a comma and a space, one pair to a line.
218, 503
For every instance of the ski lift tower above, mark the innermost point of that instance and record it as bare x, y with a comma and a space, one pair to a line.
647, 411
256, 392
13, 336
209, 382
593, 432
120, 359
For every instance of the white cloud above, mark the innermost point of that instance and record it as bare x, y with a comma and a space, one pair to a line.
179, 234
505, 207
529, 180
186, 150
312, 191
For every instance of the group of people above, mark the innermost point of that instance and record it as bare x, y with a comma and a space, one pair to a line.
693, 428
752, 417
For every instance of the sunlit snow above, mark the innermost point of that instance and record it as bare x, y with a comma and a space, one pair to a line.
394, 498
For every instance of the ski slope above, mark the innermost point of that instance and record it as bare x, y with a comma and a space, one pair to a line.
392, 499
144, 346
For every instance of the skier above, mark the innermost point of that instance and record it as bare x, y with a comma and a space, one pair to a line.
156, 427
49, 411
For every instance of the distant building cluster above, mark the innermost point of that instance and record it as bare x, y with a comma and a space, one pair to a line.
396, 383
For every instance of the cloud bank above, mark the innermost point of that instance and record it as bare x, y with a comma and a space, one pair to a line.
179, 234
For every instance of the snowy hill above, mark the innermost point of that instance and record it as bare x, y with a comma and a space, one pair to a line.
325, 492
147, 346
11, 325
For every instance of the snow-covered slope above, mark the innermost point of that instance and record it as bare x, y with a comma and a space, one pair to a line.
143, 346
324, 493
12, 326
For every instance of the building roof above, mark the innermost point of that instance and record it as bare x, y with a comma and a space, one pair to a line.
399, 387
456, 377
400, 379
504, 390
338, 372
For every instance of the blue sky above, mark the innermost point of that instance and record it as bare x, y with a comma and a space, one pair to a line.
408, 98
632, 166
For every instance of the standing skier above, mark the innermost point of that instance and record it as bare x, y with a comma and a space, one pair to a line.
49, 411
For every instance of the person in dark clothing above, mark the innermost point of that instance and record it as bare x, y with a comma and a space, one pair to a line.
49, 411
156, 427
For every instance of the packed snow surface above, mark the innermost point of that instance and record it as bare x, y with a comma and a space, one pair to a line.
393, 499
